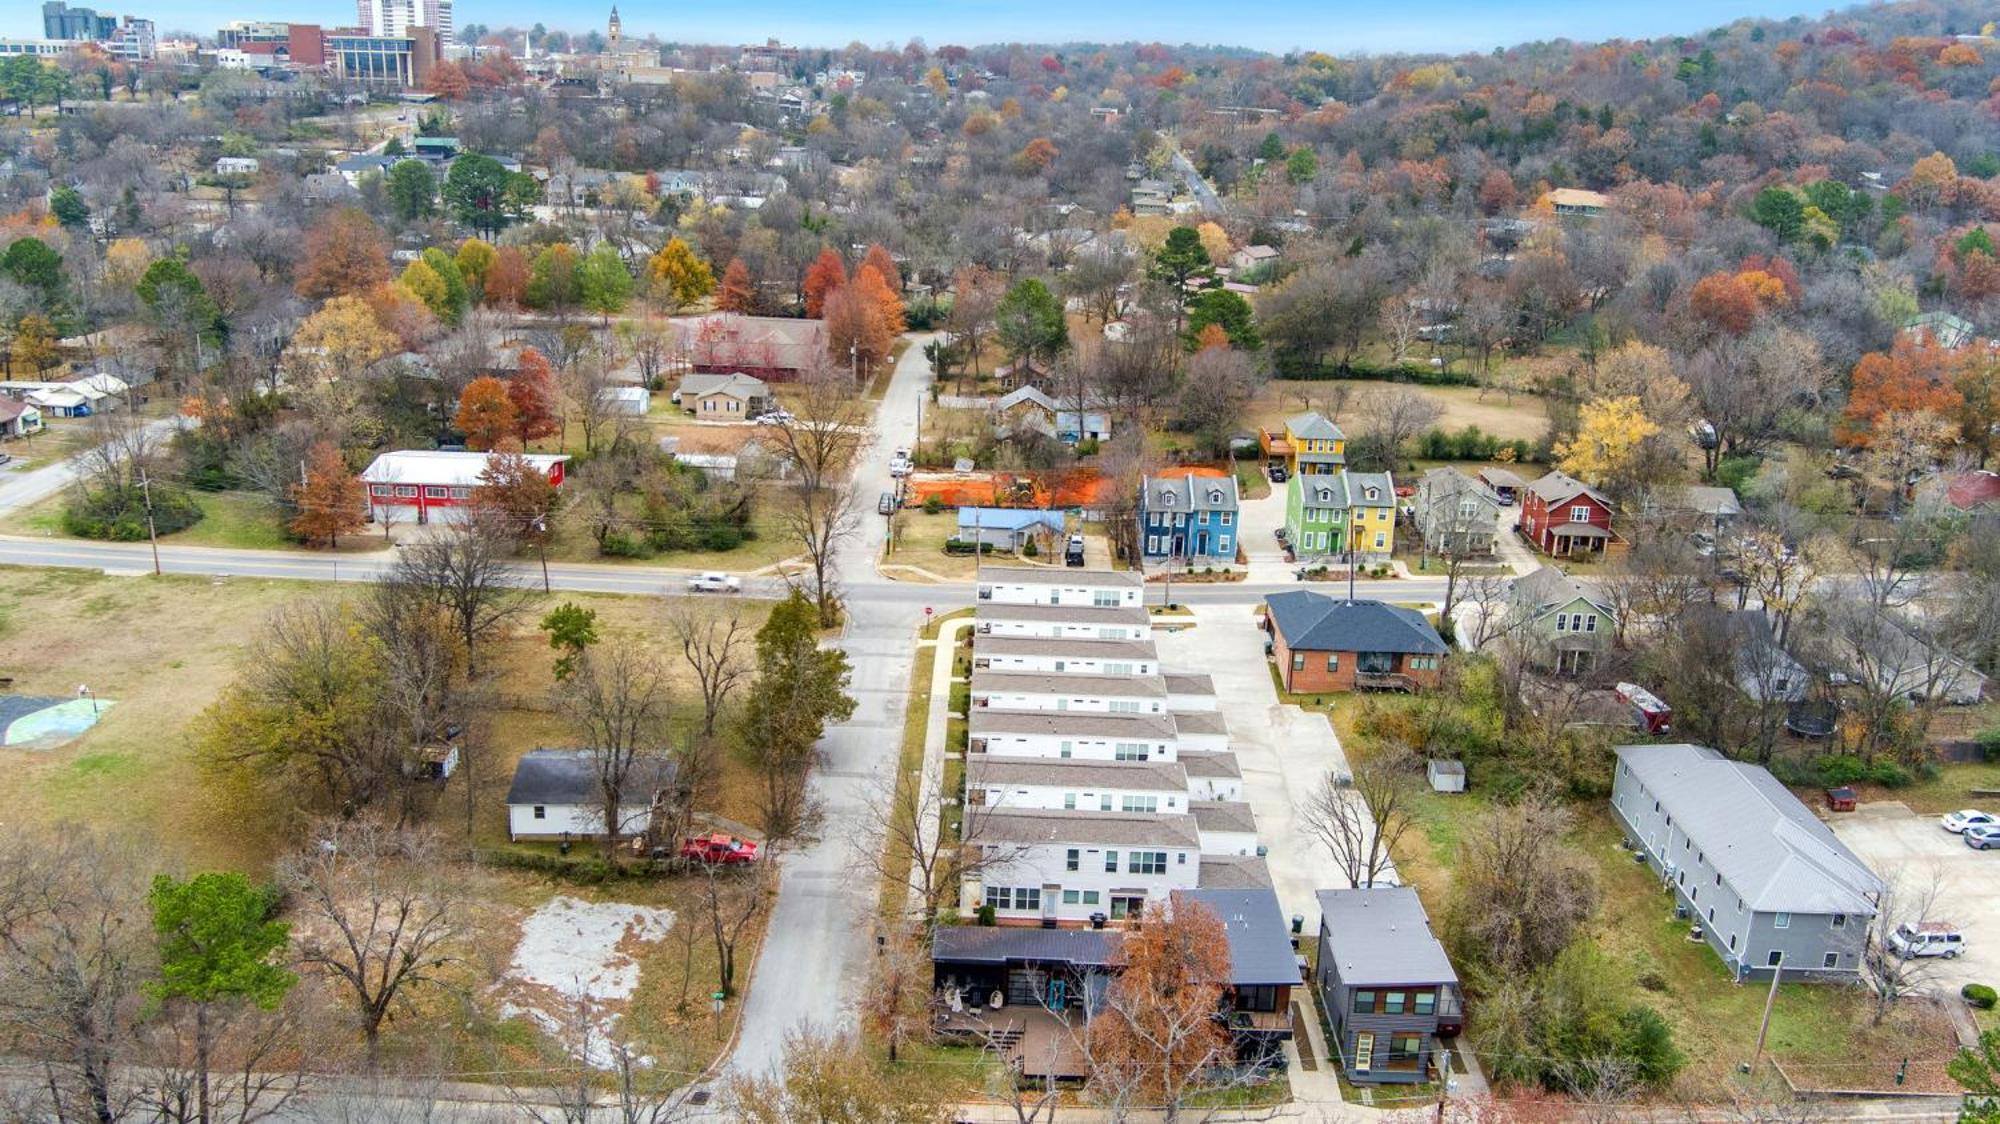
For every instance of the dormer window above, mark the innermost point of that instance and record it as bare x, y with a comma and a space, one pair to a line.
1215, 495
1166, 499
1373, 492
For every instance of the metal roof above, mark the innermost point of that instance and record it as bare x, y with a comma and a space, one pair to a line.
1766, 845
1314, 622
569, 776
438, 467
984, 721
1314, 425
1008, 518
1380, 935
1066, 683
1260, 945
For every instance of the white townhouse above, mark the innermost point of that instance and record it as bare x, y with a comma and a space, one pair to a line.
1071, 736
1211, 776
1086, 694
1050, 585
1068, 657
1042, 784
1063, 622
1077, 867
1191, 691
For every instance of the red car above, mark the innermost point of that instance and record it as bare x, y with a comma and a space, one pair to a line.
719, 849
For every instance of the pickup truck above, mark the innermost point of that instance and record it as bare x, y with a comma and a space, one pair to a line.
719, 849
715, 583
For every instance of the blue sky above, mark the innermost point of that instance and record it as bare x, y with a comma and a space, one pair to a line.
1336, 26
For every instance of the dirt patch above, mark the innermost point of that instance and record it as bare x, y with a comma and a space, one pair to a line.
579, 960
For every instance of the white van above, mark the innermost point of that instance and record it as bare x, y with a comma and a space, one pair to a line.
1927, 938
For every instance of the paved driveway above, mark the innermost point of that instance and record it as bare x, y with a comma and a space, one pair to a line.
1284, 751
1260, 519
1909, 850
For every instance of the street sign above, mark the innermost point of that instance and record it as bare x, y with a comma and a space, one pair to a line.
927, 612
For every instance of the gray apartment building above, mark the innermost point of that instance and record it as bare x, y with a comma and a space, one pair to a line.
1765, 880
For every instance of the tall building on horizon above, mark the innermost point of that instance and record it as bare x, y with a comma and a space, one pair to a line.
395, 18
60, 21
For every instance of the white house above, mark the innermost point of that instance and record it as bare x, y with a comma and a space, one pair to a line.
1063, 622
1040, 784
1211, 776
1086, 737
630, 401
1226, 827
1067, 657
1047, 585
1077, 694
556, 794
236, 165
1066, 866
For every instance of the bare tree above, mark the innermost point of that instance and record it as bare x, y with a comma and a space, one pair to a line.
1909, 898
817, 447
1394, 416
467, 572
898, 1001
905, 836
731, 898
1519, 893
263, 1078
1360, 820
639, 1093
714, 646
73, 963
376, 914
617, 700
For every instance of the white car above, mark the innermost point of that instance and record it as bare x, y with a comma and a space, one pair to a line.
715, 583
1958, 821
776, 417
899, 464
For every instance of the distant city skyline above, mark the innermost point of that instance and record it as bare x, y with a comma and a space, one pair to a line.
1340, 27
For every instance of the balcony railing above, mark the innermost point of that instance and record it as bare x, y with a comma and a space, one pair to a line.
1384, 681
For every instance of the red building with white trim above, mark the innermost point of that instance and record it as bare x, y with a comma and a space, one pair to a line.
1562, 515
421, 485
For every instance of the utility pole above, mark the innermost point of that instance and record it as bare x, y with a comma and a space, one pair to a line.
1764, 1028
152, 533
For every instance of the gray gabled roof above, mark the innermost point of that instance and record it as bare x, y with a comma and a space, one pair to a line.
986, 770
1223, 815
1068, 649
569, 776
1260, 946
1373, 489
1549, 589
1088, 615
1189, 493
1119, 829
1380, 936
1233, 872
1062, 576
1189, 683
986, 680
1440, 484
1313, 424
1314, 622
1556, 487
1767, 846
1201, 722
985, 721
1209, 763
736, 384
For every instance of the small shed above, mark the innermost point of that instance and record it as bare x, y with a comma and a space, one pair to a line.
631, 401
1840, 799
1505, 484
1446, 776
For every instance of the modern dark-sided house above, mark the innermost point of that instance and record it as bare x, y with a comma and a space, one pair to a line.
1764, 880
1323, 643
1263, 969
1384, 984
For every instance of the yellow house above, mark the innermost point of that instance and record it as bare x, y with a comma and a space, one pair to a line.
1371, 511
1316, 446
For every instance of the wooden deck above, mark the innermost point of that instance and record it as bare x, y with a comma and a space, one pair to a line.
1044, 1045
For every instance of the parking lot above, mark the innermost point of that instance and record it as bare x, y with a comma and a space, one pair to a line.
1910, 850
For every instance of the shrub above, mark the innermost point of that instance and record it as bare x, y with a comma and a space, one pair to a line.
622, 544
119, 514
1980, 996
933, 504
1836, 769
1030, 550
1988, 742
986, 915
1087, 447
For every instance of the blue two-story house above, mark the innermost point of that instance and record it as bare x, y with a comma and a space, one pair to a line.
1192, 519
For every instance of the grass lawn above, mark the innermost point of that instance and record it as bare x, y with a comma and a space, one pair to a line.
159, 650
1525, 417
920, 539
909, 767
250, 521
1949, 791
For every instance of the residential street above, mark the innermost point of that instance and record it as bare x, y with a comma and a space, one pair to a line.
25, 487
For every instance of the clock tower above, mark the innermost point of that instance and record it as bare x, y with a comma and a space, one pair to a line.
617, 29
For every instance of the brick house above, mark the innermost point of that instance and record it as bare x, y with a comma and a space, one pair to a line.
1562, 515
1323, 643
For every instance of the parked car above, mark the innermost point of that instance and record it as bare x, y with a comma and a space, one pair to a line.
1073, 552
1982, 837
719, 849
775, 417
1958, 821
886, 505
1703, 543
1277, 473
899, 463
715, 583
1927, 938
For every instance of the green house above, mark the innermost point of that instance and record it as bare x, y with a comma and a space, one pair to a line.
1316, 514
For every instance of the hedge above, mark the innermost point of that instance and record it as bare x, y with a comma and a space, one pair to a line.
1309, 370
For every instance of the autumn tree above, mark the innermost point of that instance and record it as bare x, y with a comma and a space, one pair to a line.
342, 338
345, 254
329, 501
738, 293
1609, 434
531, 391
516, 499
464, 573
486, 415
475, 259
1036, 156
1158, 1035
856, 333
677, 277
1732, 302
883, 289
826, 274
816, 449
1913, 375
505, 284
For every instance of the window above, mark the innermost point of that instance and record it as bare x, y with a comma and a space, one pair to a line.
1562, 622
1073, 858
1064, 750
1364, 1051
1104, 802
1589, 621
1394, 1001
1139, 804
1110, 862
461, 493
1781, 921
1381, 540
1123, 706
1364, 1002
1225, 518
1082, 897
1405, 1050
1152, 544
1732, 942
1130, 751
381, 490
1333, 661
406, 491
1775, 958
1147, 862
541, 812
1105, 599
1424, 1003
1831, 960
1840, 921
1298, 662
434, 492
1127, 905
1579, 514
1222, 545
1069, 805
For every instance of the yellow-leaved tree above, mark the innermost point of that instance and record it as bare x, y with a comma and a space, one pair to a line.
1609, 433
678, 277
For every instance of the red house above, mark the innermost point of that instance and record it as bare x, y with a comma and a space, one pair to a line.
421, 485
1562, 516
771, 348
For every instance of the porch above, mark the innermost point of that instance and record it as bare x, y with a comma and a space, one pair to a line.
1045, 1044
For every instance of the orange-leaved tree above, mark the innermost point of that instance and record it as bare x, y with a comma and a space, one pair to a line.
875, 287
1160, 1030
878, 259
738, 292
329, 500
823, 276
532, 392
345, 252
855, 331
485, 413
518, 499
1914, 374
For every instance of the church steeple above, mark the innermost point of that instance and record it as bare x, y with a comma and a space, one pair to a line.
616, 28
